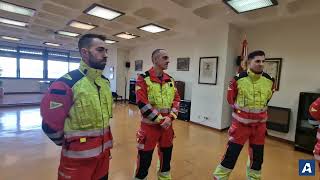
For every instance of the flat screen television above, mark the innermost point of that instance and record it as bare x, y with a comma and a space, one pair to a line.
279, 119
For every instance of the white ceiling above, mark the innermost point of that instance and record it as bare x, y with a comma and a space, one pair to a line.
182, 17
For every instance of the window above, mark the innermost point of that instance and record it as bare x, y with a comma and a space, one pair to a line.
56, 69
8, 67
73, 66
30, 68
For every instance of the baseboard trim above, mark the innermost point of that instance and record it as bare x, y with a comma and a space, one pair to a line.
207, 127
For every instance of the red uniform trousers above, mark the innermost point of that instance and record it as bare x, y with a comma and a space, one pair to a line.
239, 133
148, 136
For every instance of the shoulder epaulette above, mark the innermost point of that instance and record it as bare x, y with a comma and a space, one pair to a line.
71, 78
241, 75
267, 76
146, 74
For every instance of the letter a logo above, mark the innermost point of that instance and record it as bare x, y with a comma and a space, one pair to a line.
306, 167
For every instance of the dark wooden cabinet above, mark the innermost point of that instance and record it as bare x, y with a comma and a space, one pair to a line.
305, 138
132, 92
180, 85
184, 111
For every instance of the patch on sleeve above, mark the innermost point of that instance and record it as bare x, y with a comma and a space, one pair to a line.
55, 105
67, 76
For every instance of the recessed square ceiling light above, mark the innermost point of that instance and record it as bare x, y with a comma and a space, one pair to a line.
13, 22
126, 35
103, 12
10, 38
81, 25
66, 33
241, 6
16, 9
109, 41
152, 28
52, 44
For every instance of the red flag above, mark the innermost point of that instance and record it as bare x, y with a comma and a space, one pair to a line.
244, 54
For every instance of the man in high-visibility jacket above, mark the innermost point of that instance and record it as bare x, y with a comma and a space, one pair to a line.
248, 93
158, 101
76, 112
315, 113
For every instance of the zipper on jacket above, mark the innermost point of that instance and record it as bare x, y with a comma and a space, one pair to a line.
161, 92
102, 143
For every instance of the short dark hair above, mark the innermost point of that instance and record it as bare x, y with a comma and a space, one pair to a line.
256, 53
85, 40
155, 52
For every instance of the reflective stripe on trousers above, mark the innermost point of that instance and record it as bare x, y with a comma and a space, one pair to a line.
245, 120
87, 153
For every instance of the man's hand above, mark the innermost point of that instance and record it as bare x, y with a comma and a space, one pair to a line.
166, 123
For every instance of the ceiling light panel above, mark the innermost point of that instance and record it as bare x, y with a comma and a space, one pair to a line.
81, 25
13, 22
152, 28
10, 38
16, 9
66, 33
241, 6
109, 41
103, 12
126, 35
52, 44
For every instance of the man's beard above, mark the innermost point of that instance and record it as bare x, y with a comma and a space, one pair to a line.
96, 65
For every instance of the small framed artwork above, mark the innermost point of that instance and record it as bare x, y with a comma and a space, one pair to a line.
183, 64
272, 66
208, 70
138, 65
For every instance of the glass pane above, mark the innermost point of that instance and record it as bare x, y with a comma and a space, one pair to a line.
56, 69
73, 66
8, 67
30, 68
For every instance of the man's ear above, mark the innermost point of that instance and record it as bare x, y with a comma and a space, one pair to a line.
84, 52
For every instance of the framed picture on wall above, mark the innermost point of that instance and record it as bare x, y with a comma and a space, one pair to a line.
183, 64
272, 66
208, 70
138, 65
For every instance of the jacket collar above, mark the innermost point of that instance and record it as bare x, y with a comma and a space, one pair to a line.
153, 76
253, 75
90, 72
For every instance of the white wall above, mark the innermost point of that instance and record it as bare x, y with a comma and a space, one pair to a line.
112, 62
297, 42
122, 72
206, 100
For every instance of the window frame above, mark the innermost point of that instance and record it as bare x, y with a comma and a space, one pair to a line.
45, 56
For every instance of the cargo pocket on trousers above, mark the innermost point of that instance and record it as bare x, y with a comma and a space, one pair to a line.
141, 139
